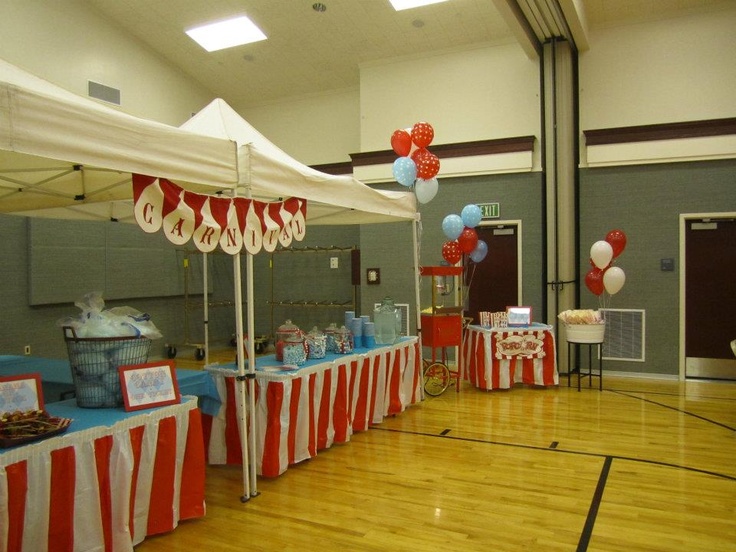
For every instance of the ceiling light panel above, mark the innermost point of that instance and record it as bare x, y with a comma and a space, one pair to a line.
408, 4
226, 34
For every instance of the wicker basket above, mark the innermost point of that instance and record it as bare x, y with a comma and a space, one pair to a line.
94, 363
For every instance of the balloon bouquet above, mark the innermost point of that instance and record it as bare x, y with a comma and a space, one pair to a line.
604, 277
416, 167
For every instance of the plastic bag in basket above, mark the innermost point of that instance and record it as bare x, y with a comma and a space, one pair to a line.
95, 321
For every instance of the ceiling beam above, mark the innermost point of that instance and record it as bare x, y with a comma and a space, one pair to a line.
520, 27
574, 13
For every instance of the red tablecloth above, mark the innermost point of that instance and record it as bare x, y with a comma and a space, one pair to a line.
301, 412
496, 358
107, 487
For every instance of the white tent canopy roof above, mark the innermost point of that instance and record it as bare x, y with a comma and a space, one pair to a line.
66, 156
268, 173
55, 146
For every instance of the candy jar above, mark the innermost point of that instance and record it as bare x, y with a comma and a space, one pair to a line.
317, 343
295, 349
387, 319
284, 331
330, 342
343, 341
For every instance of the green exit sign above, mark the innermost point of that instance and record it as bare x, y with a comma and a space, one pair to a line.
490, 210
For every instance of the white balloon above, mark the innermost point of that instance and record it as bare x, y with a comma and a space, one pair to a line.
601, 253
613, 280
425, 190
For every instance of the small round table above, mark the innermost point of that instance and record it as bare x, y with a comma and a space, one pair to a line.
590, 375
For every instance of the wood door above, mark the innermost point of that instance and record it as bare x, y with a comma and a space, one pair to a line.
494, 282
710, 300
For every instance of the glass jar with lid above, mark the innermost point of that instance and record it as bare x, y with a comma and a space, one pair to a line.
286, 330
387, 322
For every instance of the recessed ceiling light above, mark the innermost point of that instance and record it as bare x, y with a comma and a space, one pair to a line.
226, 34
408, 4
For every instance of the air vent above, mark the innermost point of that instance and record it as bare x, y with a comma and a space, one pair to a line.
404, 310
624, 335
104, 93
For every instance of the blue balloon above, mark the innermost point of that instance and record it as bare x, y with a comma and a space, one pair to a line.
452, 226
471, 215
405, 171
480, 252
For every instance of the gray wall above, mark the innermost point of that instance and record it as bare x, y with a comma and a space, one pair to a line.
645, 201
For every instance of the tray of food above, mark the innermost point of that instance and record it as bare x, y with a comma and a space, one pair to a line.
21, 427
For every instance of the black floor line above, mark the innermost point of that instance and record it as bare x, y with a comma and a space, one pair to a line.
595, 503
667, 394
559, 450
698, 416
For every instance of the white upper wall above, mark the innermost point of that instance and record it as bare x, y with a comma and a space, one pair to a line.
68, 44
466, 95
314, 130
680, 69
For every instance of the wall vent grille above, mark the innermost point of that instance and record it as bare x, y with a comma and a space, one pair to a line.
625, 336
105, 93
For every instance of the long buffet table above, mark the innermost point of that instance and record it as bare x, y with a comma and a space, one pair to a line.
300, 412
497, 358
112, 479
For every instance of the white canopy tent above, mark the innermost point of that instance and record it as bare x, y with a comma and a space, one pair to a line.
65, 156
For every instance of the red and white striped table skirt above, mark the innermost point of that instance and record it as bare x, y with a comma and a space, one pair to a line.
105, 488
302, 412
498, 358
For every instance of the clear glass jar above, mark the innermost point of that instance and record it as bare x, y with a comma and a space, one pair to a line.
343, 341
387, 320
317, 343
295, 349
286, 330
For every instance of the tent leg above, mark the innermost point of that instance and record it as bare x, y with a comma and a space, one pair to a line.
242, 412
251, 370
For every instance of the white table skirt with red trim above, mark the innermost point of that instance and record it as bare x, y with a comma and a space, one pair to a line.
300, 412
103, 487
497, 358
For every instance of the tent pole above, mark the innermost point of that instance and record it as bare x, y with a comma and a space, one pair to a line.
241, 376
414, 226
205, 307
250, 293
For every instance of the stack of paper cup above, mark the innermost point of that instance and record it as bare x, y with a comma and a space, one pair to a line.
356, 326
369, 335
349, 315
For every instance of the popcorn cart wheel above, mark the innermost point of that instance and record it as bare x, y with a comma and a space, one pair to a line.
437, 375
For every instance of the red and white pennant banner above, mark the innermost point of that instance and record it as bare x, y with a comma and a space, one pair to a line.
209, 221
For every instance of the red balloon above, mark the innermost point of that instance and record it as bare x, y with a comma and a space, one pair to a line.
617, 239
451, 252
422, 134
468, 239
594, 281
401, 142
428, 164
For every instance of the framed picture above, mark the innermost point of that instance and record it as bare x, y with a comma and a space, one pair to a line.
149, 385
21, 392
373, 276
519, 316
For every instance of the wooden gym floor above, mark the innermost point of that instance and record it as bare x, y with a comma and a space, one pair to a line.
642, 465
